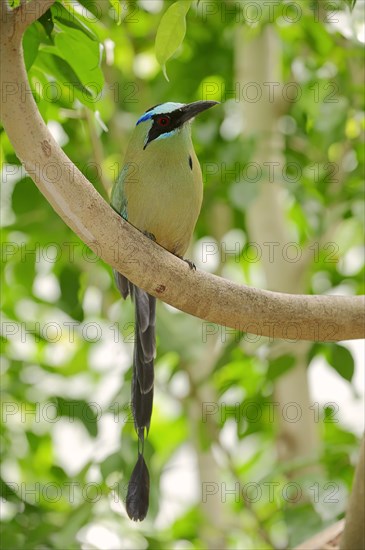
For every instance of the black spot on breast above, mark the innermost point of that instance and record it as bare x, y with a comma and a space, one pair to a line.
190, 162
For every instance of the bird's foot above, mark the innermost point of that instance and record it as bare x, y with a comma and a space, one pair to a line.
189, 262
150, 236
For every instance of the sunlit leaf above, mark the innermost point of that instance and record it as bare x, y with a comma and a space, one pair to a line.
31, 40
341, 360
65, 18
171, 32
279, 366
351, 4
68, 81
116, 5
83, 55
91, 6
80, 410
70, 286
113, 463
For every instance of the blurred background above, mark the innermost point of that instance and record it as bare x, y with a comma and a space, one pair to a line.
253, 440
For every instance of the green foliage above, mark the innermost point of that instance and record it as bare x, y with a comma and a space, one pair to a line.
341, 360
351, 3
280, 365
116, 4
171, 32
67, 337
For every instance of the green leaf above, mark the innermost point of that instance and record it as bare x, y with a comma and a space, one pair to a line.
341, 360
69, 19
113, 463
70, 285
31, 42
302, 521
118, 9
92, 6
171, 32
25, 193
351, 4
78, 409
56, 66
280, 365
83, 55
47, 22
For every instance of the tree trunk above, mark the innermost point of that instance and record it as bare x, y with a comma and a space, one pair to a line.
258, 61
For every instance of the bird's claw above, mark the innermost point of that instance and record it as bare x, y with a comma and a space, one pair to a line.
150, 236
189, 262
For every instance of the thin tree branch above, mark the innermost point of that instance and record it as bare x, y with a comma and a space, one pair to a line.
326, 540
214, 299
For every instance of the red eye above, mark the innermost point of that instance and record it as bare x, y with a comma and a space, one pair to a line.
163, 121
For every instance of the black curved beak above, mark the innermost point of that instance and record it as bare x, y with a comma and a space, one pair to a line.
191, 110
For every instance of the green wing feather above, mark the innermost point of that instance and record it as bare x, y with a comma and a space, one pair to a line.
118, 199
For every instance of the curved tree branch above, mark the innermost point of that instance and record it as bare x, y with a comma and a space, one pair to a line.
214, 299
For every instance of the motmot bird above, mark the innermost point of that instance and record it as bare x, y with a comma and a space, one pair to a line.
160, 192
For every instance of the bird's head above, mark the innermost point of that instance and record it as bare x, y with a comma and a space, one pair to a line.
169, 119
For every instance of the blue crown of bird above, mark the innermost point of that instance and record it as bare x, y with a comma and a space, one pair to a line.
160, 192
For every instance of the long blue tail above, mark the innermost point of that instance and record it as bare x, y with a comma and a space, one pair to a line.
142, 390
